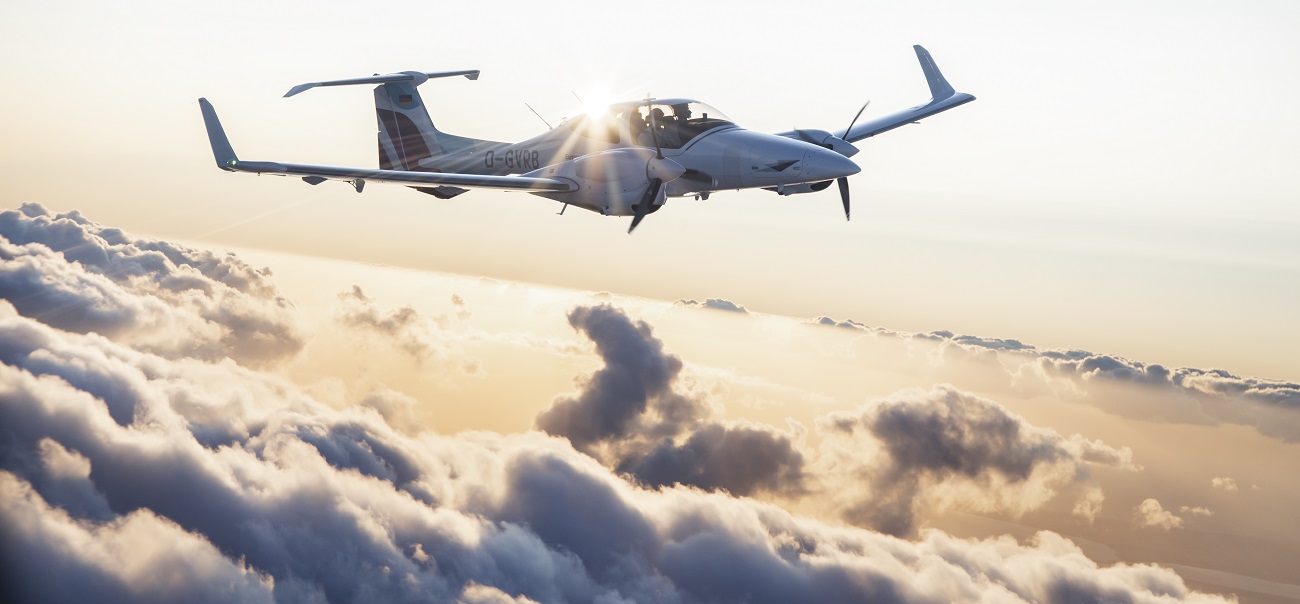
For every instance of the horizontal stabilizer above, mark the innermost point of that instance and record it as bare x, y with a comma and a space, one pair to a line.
406, 76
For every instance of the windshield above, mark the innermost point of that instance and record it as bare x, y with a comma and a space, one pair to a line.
673, 124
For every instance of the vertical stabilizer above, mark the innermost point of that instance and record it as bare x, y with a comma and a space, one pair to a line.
406, 133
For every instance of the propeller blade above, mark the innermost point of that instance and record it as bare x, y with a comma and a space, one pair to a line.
855, 118
843, 181
654, 134
647, 201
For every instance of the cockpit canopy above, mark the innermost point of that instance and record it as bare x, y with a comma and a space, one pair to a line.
673, 122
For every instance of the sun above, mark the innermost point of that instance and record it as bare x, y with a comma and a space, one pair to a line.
594, 100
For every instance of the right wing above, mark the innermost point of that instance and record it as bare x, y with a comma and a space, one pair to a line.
225, 157
942, 98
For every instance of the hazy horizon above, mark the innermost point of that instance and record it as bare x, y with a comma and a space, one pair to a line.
1052, 357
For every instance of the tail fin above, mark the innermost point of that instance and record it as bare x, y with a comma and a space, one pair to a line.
407, 136
406, 133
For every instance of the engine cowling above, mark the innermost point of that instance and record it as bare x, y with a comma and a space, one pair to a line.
824, 139
611, 182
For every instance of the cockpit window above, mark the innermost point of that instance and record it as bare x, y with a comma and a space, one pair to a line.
673, 125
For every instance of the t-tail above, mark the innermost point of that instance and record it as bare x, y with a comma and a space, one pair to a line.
408, 140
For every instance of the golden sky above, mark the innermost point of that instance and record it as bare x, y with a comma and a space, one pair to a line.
1067, 307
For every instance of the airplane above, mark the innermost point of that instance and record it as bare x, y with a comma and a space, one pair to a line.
625, 160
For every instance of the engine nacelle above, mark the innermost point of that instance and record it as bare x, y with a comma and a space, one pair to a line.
611, 182
823, 138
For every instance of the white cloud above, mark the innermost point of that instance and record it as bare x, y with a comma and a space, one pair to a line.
74, 274
174, 475
1150, 513
1224, 483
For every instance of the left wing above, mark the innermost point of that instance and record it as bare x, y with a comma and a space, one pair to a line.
225, 157
942, 98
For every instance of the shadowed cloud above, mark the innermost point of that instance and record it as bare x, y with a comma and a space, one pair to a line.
133, 473
945, 446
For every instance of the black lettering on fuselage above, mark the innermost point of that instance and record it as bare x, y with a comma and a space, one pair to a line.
514, 159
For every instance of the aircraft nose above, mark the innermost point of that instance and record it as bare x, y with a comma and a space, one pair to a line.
824, 164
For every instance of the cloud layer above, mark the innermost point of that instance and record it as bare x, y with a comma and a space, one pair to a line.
137, 469
879, 465
1188, 395
74, 274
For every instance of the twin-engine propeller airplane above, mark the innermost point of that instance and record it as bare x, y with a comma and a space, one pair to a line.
624, 161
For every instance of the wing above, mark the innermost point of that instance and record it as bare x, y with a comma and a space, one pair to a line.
942, 98
225, 157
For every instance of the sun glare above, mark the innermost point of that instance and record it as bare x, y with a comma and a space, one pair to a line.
594, 100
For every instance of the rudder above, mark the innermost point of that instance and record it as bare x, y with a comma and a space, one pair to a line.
406, 133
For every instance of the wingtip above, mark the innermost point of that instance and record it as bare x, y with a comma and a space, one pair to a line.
300, 88
221, 149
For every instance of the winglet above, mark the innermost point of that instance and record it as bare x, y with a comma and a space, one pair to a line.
221, 150
939, 87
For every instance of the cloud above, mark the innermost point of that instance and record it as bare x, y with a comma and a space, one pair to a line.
1222, 483
1185, 395
74, 274
738, 458
426, 339
629, 414
715, 304
1150, 513
138, 557
944, 447
637, 377
1204, 512
129, 473
881, 465
846, 324
332, 504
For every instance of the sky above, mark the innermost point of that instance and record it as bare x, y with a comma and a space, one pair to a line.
1058, 336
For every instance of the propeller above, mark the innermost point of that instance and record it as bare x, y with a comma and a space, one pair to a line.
843, 181
651, 194
647, 200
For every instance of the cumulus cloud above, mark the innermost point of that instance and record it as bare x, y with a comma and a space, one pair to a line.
945, 447
637, 378
324, 504
1224, 483
77, 275
131, 472
880, 465
1201, 511
1150, 513
629, 414
715, 304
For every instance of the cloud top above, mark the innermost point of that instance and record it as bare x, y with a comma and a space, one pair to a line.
133, 471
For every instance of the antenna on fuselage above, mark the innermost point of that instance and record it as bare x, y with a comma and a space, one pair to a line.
539, 116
